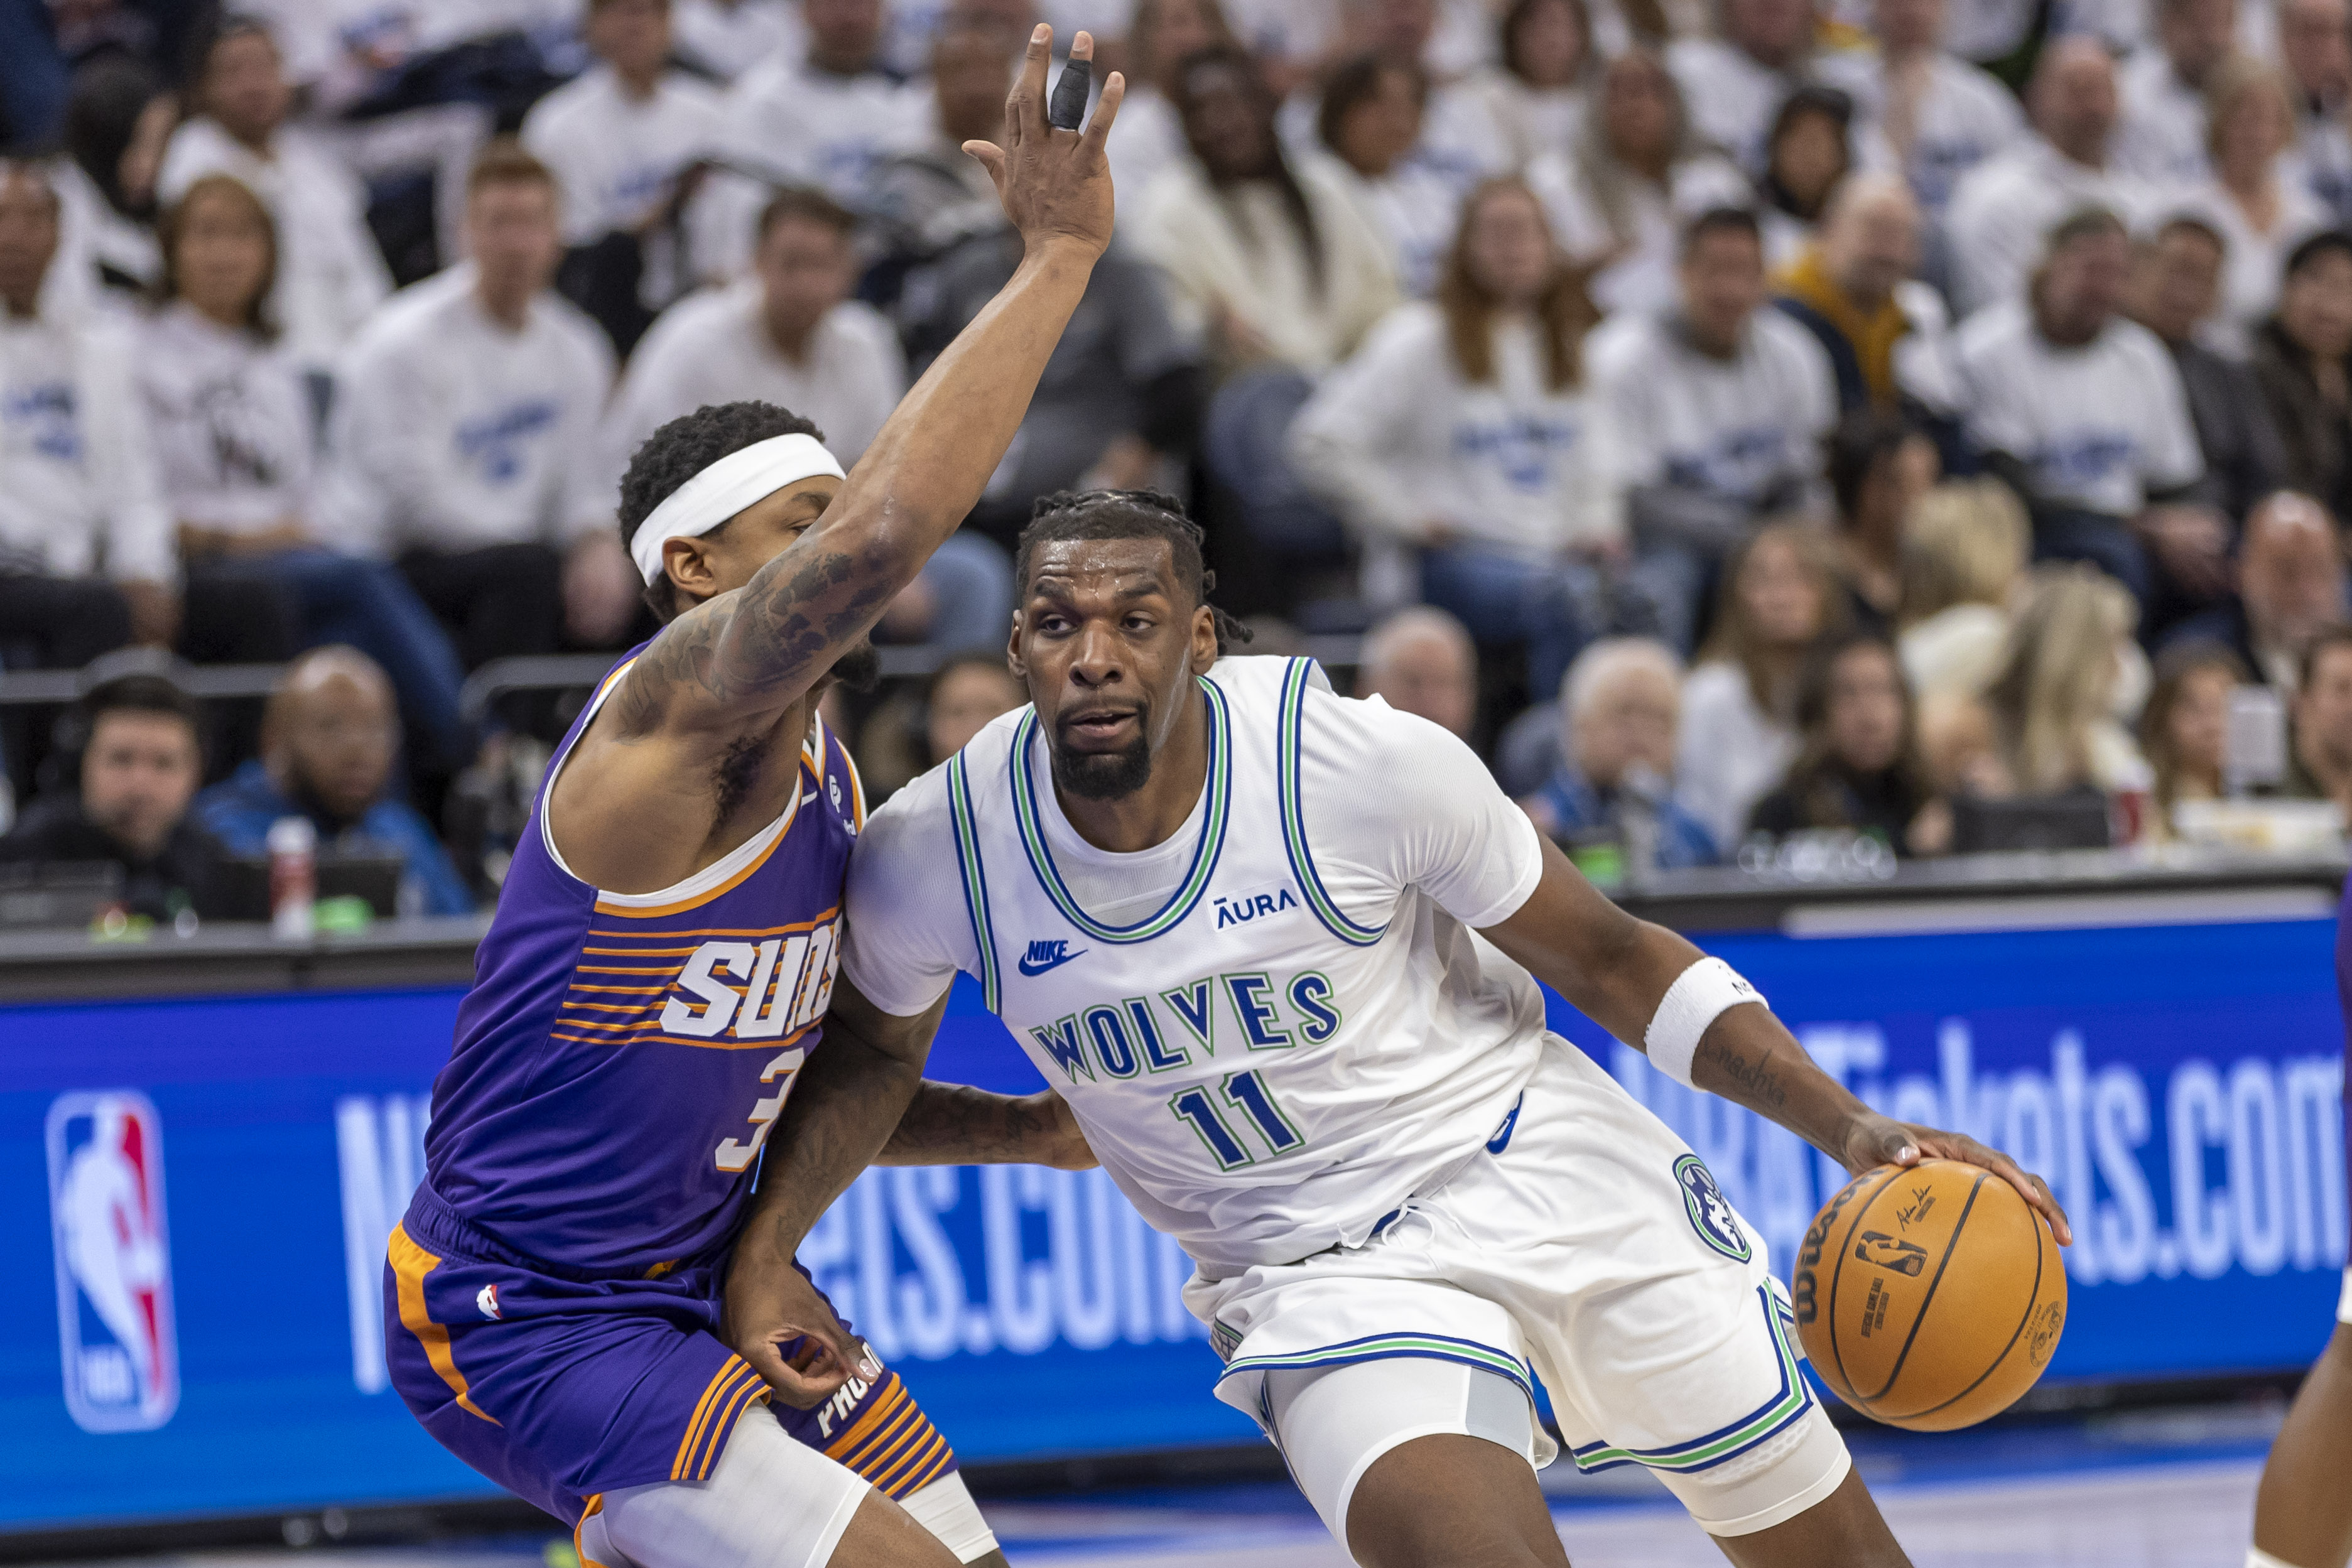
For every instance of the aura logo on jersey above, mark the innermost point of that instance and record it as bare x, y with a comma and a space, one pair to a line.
113, 1257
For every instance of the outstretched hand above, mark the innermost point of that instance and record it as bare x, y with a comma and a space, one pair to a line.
1054, 183
1877, 1140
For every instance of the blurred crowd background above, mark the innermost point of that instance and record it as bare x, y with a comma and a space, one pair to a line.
1853, 430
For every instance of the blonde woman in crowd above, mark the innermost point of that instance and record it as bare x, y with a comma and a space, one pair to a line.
2053, 702
1466, 428
2182, 730
1638, 167
2257, 202
1738, 731
1963, 550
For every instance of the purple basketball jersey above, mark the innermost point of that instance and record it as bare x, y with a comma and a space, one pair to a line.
622, 1059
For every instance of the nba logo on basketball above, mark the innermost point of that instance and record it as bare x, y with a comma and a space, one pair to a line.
113, 1262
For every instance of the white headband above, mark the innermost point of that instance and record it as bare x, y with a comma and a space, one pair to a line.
736, 481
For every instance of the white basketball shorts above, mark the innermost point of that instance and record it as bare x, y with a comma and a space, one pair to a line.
1585, 1246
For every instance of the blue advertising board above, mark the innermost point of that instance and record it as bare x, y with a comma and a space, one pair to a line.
199, 1192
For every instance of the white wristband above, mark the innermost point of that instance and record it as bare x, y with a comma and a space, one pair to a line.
1699, 996
2344, 1302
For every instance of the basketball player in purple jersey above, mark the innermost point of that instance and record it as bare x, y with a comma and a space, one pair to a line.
568, 1306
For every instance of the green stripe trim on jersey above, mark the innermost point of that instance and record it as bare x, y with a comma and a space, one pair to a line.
1204, 854
975, 878
1438, 1347
1794, 1398
1288, 742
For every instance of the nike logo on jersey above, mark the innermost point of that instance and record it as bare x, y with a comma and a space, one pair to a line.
1044, 956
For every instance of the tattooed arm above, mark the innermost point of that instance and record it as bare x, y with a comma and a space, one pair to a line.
1615, 970
747, 655
953, 1124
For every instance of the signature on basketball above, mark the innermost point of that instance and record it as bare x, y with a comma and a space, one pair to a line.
2042, 1331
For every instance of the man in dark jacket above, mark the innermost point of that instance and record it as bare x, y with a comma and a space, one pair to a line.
2302, 360
2176, 280
140, 764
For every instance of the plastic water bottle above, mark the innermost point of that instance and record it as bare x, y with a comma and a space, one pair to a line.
293, 877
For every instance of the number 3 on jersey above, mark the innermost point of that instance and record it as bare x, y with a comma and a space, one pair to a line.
1247, 1095
735, 1155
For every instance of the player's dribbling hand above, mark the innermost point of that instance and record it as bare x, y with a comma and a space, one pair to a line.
1874, 1140
1055, 185
775, 1319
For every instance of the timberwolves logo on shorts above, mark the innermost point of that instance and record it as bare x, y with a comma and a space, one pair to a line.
113, 1262
1710, 1212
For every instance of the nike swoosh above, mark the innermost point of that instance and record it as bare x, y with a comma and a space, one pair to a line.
1029, 966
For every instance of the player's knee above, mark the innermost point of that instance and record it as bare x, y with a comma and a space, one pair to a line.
1451, 1500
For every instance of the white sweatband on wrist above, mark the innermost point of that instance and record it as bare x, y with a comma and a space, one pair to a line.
738, 480
1700, 995
2344, 1301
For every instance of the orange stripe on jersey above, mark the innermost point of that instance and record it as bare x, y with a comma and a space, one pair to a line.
793, 814
919, 1467
867, 1423
622, 991
931, 1469
808, 924
883, 1458
862, 1455
729, 1373
723, 1417
410, 1264
579, 1548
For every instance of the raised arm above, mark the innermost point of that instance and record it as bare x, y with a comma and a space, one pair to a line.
1616, 970
755, 651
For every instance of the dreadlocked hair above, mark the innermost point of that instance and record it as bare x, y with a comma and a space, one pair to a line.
677, 453
1072, 515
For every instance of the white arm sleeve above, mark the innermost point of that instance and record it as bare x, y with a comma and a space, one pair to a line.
1437, 822
909, 930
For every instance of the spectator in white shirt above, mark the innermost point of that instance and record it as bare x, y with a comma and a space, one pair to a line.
828, 117
1638, 171
1460, 142
1939, 115
1367, 124
2315, 47
1275, 268
2081, 411
2006, 205
465, 435
626, 139
2255, 198
1720, 407
1736, 82
1148, 137
724, 38
1466, 428
332, 274
1738, 731
2162, 136
791, 336
235, 437
85, 539
1536, 96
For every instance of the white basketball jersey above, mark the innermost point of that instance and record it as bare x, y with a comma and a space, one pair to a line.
1277, 1027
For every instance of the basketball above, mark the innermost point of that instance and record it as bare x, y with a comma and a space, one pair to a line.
1929, 1298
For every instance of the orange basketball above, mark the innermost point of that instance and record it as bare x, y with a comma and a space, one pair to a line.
1929, 1298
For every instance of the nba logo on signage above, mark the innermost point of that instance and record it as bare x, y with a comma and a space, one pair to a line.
113, 1259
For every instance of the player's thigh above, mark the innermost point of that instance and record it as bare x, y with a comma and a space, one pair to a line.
771, 1502
1843, 1528
1414, 1462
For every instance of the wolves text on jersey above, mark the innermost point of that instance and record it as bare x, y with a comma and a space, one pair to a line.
1145, 1035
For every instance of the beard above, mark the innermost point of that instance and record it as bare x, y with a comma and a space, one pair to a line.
859, 669
1104, 774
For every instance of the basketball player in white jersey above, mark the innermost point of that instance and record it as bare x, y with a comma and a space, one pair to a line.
1276, 950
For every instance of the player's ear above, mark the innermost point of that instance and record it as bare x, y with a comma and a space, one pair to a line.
1013, 659
688, 564
1205, 639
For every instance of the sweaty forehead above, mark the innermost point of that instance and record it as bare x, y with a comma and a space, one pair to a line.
1102, 566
